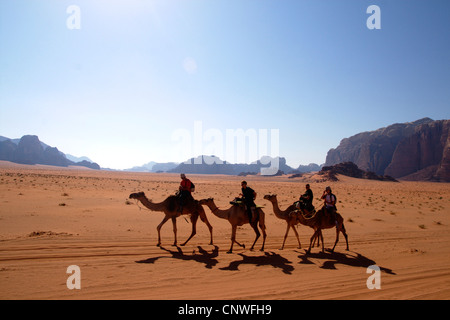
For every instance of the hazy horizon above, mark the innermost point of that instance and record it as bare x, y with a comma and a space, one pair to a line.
186, 160
129, 82
85, 157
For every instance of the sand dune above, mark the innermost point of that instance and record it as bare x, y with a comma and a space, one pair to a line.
51, 218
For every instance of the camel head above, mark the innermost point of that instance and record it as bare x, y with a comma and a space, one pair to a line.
270, 197
205, 201
138, 195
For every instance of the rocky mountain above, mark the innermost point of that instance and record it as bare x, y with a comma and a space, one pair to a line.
77, 159
351, 170
30, 150
214, 165
308, 168
416, 150
164, 166
204, 165
425, 155
7, 150
153, 166
144, 168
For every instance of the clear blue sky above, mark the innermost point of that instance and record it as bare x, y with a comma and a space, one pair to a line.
137, 72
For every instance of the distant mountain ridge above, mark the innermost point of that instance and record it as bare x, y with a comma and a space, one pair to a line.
153, 166
214, 165
30, 150
418, 150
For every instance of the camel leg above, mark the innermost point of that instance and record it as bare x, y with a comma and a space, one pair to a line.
318, 238
312, 240
345, 235
258, 234
263, 228
205, 220
194, 219
262, 225
337, 238
298, 239
285, 235
158, 228
321, 239
233, 239
341, 229
316, 242
174, 223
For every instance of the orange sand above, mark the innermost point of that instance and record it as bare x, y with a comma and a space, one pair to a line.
51, 218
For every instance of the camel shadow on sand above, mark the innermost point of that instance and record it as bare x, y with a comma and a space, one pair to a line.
331, 259
268, 259
209, 259
203, 257
325, 260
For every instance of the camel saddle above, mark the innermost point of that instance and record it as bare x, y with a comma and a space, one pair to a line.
239, 202
305, 213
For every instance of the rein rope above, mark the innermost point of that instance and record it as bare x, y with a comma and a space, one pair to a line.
137, 203
309, 218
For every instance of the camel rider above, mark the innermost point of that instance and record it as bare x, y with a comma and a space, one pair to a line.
186, 187
307, 198
248, 196
330, 203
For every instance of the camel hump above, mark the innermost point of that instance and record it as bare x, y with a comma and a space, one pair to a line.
172, 203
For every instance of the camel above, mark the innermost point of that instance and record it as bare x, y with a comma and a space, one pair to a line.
291, 219
171, 209
237, 216
321, 220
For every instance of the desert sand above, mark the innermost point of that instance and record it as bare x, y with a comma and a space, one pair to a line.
52, 218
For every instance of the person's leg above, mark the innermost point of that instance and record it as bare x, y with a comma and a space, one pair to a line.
182, 200
249, 213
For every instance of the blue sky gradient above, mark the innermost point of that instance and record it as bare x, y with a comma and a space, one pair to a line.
137, 71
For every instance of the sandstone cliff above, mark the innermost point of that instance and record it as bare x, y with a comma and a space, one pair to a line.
416, 150
424, 155
30, 150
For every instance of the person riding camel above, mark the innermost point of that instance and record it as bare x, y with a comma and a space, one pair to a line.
306, 199
185, 189
330, 204
248, 196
